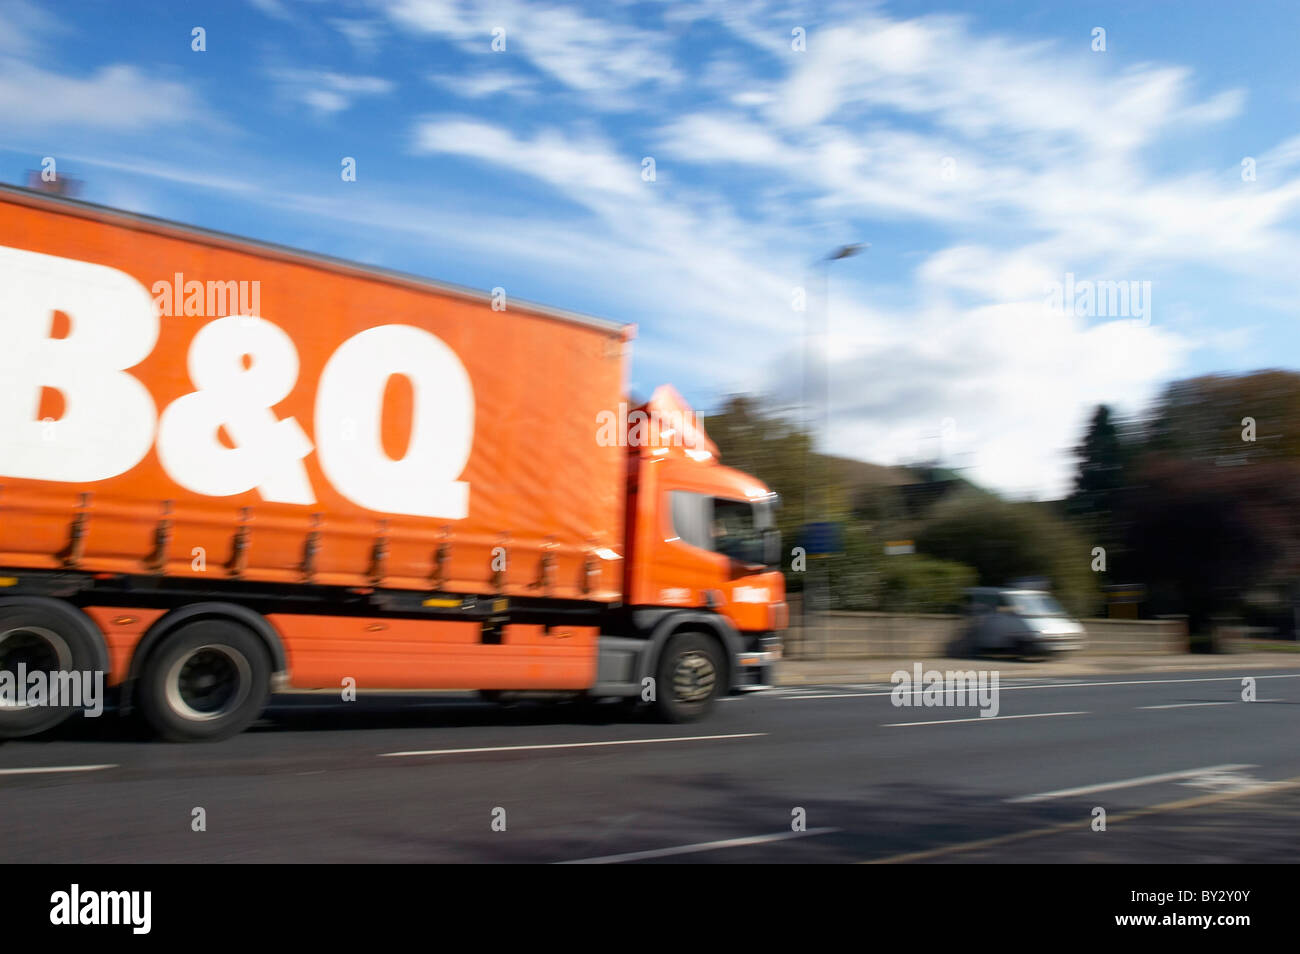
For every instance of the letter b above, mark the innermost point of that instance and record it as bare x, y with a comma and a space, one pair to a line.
108, 422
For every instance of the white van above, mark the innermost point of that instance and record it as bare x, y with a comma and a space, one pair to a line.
1027, 622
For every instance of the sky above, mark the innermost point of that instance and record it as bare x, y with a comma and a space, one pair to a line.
688, 166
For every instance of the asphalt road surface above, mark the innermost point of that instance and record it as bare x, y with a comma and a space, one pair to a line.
1184, 770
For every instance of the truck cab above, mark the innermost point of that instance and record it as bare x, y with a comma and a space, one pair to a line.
703, 551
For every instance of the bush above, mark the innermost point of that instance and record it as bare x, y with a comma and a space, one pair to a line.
920, 584
854, 576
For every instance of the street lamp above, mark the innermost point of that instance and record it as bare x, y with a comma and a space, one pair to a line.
819, 411
848, 251
820, 421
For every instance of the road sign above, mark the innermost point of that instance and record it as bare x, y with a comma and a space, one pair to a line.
821, 538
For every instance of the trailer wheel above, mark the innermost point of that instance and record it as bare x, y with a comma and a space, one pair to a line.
207, 681
689, 678
40, 639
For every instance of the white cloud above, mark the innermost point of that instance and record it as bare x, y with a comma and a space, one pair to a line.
171, 172
271, 8
326, 92
573, 165
363, 35
601, 59
22, 26
727, 138
1014, 380
486, 84
36, 96
113, 97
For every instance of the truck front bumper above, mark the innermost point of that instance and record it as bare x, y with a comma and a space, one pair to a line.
755, 669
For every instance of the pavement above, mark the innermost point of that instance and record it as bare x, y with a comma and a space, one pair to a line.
1182, 767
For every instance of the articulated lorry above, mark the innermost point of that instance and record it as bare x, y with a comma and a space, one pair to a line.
229, 468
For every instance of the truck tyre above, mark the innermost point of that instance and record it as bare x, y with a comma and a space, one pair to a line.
46, 639
207, 681
689, 678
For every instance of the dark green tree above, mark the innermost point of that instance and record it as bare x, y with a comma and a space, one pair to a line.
1101, 470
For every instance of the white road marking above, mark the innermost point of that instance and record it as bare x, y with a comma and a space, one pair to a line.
1190, 705
571, 745
1031, 715
699, 846
1059, 685
1128, 783
1225, 779
54, 768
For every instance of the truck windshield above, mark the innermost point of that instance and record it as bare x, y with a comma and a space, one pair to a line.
1036, 604
730, 527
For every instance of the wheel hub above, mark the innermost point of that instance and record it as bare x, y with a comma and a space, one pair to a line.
694, 677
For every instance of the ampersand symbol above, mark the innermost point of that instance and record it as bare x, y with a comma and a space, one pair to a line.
241, 366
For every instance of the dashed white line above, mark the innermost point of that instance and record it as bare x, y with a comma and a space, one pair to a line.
1031, 715
41, 769
571, 745
699, 846
1189, 705
1128, 783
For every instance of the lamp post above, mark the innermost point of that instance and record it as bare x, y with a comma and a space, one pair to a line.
817, 410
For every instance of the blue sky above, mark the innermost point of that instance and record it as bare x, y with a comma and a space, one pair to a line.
985, 150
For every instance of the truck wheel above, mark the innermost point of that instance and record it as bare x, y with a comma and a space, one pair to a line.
207, 681
690, 677
44, 639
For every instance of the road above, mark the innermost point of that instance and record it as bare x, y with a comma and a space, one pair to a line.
1181, 766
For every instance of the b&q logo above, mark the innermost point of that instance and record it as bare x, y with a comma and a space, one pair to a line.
110, 419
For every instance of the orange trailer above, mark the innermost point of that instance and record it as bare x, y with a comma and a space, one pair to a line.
228, 467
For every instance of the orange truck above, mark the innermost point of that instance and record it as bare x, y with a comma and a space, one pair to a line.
229, 468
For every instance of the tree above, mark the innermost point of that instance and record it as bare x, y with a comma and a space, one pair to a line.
1101, 466
1201, 536
1231, 420
1212, 510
